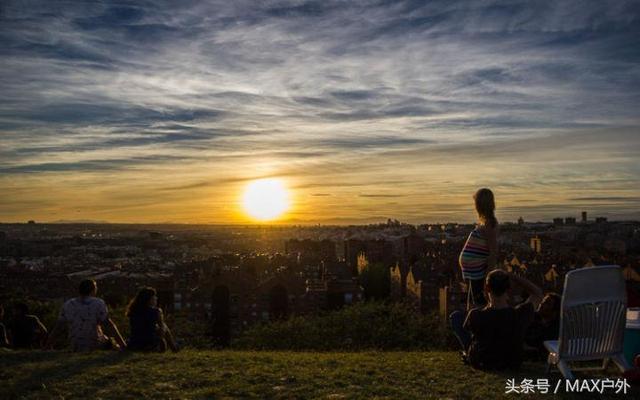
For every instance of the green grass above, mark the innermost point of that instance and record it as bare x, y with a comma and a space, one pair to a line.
246, 374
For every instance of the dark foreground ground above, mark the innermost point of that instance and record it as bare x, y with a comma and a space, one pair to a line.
279, 375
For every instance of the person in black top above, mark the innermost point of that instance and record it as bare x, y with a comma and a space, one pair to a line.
4, 342
148, 330
545, 325
26, 330
492, 336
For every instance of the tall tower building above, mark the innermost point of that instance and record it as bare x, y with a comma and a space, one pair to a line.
536, 244
584, 217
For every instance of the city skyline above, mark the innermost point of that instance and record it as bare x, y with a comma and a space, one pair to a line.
163, 112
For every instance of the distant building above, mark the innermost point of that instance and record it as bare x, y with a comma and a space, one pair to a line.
352, 249
558, 221
335, 270
452, 298
601, 220
362, 262
31, 222
413, 246
422, 292
552, 277
584, 217
570, 221
233, 299
398, 281
312, 251
374, 251
536, 244
520, 221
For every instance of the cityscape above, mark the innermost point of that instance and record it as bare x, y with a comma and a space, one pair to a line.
232, 277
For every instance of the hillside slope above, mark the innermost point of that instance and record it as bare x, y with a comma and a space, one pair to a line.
246, 374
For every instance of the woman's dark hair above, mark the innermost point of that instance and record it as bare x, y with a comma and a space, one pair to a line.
141, 301
486, 207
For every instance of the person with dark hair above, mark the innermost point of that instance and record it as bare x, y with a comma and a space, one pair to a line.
480, 251
86, 316
27, 331
492, 337
546, 323
4, 341
148, 329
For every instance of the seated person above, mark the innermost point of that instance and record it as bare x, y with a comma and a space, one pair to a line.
4, 341
27, 332
492, 337
148, 330
545, 325
86, 316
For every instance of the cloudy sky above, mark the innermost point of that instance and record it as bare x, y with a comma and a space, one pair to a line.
163, 111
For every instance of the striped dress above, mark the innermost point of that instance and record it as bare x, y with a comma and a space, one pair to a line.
474, 255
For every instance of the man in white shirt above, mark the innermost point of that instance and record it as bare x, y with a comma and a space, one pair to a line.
85, 317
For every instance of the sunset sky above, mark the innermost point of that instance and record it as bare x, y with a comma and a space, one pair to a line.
366, 110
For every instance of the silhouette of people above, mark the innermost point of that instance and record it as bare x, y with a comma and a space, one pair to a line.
86, 316
546, 323
4, 341
148, 329
492, 336
27, 331
480, 251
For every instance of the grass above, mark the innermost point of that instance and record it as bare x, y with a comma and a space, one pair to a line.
210, 374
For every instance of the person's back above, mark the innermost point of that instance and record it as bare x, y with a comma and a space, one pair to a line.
144, 325
497, 336
148, 330
83, 316
492, 337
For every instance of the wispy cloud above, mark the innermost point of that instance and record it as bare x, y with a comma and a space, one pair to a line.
422, 100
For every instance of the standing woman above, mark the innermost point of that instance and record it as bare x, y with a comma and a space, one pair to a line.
480, 252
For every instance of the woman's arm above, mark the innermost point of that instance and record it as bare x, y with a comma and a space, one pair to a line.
166, 332
535, 293
41, 332
112, 330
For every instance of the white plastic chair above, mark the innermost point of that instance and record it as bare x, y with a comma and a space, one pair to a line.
592, 320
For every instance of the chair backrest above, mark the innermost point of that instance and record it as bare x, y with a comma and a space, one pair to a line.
593, 315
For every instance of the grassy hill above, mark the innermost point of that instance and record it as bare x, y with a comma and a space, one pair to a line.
209, 374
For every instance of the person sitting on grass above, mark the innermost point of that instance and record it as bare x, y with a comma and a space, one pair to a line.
148, 330
86, 316
492, 337
545, 325
27, 332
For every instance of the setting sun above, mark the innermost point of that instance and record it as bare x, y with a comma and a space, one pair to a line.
265, 199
